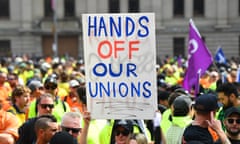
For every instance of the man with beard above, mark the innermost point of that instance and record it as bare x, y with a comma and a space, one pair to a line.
232, 124
45, 128
228, 96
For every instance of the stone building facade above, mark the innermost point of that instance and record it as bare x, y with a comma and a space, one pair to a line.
27, 26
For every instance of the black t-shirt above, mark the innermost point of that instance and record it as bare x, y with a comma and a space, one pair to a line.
234, 141
197, 133
27, 133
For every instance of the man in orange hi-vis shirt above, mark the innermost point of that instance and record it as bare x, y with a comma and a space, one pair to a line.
72, 99
4, 92
8, 127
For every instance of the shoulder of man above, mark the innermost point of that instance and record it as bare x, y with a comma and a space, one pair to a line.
26, 132
12, 110
28, 124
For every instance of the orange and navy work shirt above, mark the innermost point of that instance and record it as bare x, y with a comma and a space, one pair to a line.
8, 123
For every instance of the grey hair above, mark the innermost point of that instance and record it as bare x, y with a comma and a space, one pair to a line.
71, 115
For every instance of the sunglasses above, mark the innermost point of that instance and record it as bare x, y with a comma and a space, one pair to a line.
231, 121
44, 106
73, 130
123, 132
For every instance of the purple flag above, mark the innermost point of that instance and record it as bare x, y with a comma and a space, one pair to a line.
199, 59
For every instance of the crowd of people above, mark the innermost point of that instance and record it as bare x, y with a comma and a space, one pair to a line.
43, 101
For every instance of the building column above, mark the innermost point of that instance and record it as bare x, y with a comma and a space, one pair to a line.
188, 8
60, 8
26, 14
102, 6
83, 6
123, 6
91, 6
222, 13
158, 10
38, 9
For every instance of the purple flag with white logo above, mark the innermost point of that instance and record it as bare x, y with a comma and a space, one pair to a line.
199, 59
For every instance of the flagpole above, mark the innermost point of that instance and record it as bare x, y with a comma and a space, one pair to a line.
197, 85
214, 65
217, 49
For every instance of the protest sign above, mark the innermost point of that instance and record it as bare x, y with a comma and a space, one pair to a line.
120, 60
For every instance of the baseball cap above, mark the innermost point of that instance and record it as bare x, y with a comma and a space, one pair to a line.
73, 83
206, 103
35, 84
127, 124
181, 105
231, 110
51, 82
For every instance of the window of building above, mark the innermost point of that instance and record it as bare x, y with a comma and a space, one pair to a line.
198, 7
114, 6
133, 6
178, 8
4, 9
178, 46
69, 8
48, 12
5, 49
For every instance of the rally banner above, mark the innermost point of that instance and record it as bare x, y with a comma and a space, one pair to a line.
120, 60
199, 59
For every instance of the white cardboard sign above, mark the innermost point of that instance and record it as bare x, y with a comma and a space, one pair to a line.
120, 59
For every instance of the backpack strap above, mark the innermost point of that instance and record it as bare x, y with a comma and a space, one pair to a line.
65, 98
64, 105
36, 108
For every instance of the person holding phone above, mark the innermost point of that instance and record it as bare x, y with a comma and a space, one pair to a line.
205, 128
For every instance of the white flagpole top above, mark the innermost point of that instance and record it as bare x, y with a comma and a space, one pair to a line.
194, 27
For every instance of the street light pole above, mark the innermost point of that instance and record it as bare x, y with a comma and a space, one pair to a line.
55, 33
